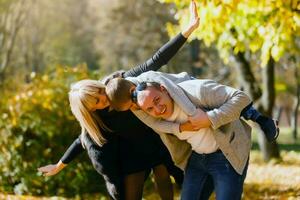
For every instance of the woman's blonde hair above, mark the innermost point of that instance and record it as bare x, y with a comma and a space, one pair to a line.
83, 96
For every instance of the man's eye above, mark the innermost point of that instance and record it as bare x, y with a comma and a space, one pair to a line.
156, 100
149, 109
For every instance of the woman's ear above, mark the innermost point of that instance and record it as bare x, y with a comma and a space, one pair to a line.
132, 88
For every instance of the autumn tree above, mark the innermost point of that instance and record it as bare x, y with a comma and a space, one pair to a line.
12, 17
253, 35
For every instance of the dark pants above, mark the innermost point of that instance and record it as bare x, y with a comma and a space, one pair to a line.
228, 184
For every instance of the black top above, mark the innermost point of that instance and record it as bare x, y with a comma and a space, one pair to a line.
125, 124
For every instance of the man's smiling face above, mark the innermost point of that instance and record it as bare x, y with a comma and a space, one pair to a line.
156, 102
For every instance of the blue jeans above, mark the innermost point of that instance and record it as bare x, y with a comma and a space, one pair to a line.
228, 184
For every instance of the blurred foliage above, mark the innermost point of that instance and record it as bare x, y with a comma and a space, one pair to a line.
56, 32
131, 31
252, 36
37, 40
39, 37
259, 29
106, 35
270, 27
36, 126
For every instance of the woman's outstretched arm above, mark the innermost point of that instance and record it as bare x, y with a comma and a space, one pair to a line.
73, 151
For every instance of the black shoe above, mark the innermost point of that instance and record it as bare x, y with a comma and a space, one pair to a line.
269, 127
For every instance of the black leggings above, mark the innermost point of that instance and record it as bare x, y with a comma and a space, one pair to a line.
134, 183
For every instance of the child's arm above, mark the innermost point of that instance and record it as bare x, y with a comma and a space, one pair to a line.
167, 51
160, 58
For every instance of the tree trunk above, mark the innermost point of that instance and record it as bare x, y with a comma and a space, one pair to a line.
9, 42
269, 150
278, 113
194, 52
246, 77
296, 108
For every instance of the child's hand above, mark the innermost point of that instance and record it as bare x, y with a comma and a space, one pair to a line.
200, 120
194, 18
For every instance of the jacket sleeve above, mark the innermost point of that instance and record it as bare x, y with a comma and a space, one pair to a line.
160, 58
169, 81
224, 103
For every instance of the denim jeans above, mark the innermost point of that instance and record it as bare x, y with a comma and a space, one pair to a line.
227, 183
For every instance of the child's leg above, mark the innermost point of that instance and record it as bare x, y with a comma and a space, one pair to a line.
163, 182
268, 125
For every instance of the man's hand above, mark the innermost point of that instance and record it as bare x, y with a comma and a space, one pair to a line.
200, 120
187, 126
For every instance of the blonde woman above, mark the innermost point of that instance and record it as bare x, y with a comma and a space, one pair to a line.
119, 145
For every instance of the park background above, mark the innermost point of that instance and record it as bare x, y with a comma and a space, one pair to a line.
45, 45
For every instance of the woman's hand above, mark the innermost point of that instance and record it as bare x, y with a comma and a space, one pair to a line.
50, 170
194, 20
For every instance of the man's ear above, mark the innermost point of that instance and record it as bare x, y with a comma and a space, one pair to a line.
162, 88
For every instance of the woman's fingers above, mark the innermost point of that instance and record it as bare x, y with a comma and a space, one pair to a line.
51, 173
47, 170
44, 168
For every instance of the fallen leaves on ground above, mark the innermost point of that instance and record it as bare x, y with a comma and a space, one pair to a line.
276, 180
